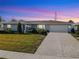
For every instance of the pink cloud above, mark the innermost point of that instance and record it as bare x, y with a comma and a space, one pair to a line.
42, 12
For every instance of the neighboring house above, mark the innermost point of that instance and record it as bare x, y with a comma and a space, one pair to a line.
51, 26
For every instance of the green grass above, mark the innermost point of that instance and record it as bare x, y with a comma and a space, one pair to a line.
2, 58
76, 36
27, 43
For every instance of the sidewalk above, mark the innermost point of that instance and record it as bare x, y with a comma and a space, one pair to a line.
17, 55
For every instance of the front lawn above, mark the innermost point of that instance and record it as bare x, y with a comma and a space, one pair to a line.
76, 36
27, 43
2, 58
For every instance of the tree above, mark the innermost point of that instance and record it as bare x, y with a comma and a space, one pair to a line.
21, 20
13, 20
19, 28
0, 19
70, 21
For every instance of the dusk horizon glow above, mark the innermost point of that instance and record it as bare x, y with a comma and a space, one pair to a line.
40, 9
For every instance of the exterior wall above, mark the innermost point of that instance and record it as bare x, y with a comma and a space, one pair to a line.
47, 27
5, 26
33, 25
1, 27
14, 27
76, 28
51, 28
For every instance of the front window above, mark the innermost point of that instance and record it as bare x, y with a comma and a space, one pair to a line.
41, 26
8, 26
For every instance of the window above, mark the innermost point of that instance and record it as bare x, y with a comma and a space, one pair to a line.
8, 26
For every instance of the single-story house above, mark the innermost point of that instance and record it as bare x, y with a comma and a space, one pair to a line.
51, 26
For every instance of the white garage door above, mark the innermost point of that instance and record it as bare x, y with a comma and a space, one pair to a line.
58, 28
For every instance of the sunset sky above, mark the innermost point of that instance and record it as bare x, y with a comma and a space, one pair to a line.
40, 9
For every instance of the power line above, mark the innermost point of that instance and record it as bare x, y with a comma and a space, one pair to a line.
55, 16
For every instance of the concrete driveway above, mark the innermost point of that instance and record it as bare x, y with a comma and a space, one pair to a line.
59, 44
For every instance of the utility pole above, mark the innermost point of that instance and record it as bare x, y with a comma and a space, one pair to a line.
55, 16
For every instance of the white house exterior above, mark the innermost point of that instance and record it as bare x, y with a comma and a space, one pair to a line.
51, 26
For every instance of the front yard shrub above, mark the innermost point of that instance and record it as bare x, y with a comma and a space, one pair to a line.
38, 31
34, 31
77, 32
29, 30
9, 31
72, 30
3, 32
42, 31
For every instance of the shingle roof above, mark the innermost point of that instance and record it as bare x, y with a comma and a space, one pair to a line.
38, 22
